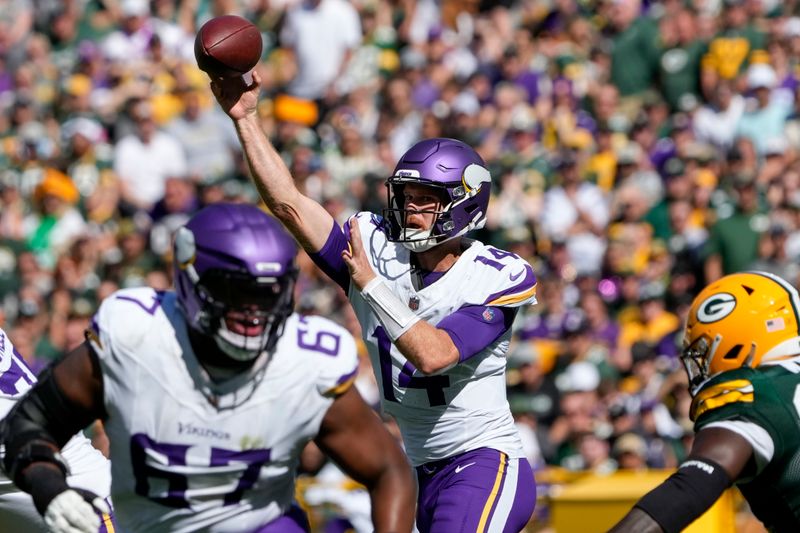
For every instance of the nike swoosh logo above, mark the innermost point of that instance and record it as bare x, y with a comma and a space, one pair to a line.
459, 468
513, 277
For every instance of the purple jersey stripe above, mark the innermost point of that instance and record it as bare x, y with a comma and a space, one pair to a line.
17, 371
342, 384
527, 283
149, 309
25, 370
347, 377
473, 328
329, 258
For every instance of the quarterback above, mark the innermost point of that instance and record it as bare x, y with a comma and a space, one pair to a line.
742, 355
89, 470
210, 393
435, 310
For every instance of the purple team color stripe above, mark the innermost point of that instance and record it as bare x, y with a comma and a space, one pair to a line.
151, 309
526, 284
329, 258
15, 371
25, 370
347, 377
472, 332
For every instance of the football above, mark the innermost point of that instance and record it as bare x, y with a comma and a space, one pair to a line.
227, 46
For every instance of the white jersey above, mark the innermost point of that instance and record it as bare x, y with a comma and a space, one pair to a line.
188, 454
465, 407
88, 468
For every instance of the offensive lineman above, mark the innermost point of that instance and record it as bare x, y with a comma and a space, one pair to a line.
435, 309
210, 393
88, 468
742, 355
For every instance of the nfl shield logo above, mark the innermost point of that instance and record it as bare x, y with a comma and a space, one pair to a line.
413, 303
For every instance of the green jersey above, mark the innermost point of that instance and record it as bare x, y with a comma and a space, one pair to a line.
762, 406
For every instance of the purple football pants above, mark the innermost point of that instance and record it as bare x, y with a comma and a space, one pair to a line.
478, 491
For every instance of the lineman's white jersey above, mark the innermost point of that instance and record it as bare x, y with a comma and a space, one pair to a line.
179, 462
465, 407
88, 468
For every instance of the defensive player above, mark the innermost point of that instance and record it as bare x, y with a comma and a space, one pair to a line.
742, 355
89, 470
210, 393
436, 311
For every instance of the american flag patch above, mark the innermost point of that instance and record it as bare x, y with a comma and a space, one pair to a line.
488, 314
775, 324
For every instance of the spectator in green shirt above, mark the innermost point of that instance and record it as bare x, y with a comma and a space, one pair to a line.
732, 245
635, 53
679, 66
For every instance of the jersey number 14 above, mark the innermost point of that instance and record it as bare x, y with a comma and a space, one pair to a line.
433, 385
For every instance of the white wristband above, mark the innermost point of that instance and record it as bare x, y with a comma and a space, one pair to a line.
395, 317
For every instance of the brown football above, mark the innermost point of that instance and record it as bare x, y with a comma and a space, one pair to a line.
227, 46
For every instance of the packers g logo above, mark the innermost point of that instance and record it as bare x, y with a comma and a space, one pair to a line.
716, 307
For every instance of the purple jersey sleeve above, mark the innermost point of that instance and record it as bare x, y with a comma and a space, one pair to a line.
329, 258
473, 328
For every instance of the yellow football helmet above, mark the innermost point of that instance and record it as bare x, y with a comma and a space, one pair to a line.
744, 319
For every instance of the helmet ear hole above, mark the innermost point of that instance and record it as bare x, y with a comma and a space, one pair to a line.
734, 352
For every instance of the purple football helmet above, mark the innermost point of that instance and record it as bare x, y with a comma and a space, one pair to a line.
234, 276
464, 185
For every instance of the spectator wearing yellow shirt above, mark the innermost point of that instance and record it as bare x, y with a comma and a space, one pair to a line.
729, 50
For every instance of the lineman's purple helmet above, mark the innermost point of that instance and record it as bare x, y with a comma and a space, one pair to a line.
234, 258
464, 184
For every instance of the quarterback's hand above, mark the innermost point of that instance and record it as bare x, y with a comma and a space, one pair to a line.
235, 97
356, 258
75, 511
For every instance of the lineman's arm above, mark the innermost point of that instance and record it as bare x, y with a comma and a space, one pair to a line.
355, 438
66, 399
718, 458
306, 219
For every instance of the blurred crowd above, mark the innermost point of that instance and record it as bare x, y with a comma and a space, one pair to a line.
638, 149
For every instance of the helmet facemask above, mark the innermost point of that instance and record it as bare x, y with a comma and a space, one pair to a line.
699, 355
415, 239
235, 274
244, 315
455, 216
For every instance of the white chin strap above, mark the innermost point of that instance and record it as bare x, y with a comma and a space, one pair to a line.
239, 347
417, 240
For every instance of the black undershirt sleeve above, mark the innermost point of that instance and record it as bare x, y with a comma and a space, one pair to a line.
686, 494
43, 416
